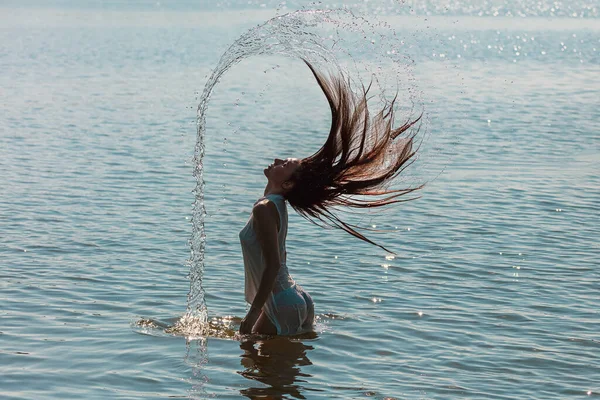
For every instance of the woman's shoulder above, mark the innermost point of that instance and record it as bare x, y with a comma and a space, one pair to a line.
265, 206
265, 210
273, 198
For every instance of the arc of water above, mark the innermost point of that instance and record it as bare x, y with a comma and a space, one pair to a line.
280, 35
289, 35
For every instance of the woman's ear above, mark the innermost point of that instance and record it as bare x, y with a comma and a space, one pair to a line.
287, 185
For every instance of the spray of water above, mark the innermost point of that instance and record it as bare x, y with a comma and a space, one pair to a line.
336, 40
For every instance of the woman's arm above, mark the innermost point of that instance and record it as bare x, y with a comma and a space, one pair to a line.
265, 225
266, 218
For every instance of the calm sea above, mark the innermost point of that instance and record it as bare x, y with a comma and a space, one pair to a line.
494, 292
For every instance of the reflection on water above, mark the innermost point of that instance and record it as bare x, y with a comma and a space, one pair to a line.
275, 362
197, 357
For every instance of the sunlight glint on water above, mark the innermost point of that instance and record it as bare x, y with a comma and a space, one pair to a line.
492, 293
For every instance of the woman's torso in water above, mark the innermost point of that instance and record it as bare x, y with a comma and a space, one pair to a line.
288, 306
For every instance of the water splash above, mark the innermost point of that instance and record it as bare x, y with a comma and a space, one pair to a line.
334, 40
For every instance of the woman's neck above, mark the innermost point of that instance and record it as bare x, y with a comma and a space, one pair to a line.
269, 189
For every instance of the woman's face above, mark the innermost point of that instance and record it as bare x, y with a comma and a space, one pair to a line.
281, 170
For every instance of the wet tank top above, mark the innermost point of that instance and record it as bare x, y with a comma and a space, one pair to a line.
254, 262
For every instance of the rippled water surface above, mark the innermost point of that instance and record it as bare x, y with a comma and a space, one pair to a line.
493, 292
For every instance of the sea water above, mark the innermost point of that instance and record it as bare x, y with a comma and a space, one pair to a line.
492, 292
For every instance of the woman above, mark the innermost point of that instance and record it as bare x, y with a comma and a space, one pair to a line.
359, 157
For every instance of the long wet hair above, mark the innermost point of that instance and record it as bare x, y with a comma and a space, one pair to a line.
361, 156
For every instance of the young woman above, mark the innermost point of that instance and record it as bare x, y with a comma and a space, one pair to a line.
360, 157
